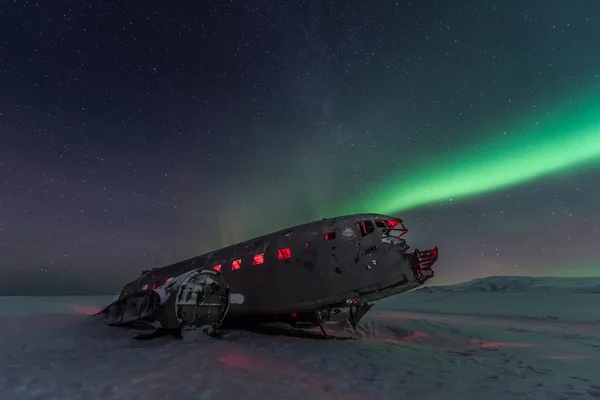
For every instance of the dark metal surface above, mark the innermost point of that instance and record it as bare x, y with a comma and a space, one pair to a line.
354, 258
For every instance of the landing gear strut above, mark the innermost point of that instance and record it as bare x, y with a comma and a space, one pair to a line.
357, 311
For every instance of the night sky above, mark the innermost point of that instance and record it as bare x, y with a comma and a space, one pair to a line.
138, 133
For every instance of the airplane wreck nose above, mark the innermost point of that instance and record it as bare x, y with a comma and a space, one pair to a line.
422, 261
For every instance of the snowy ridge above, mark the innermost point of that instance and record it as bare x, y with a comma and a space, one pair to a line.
520, 284
514, 297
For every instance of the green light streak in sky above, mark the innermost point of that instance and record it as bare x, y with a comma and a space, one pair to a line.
558, 143
577, 272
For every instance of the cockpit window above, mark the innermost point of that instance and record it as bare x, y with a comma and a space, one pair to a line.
393, 227
397, 228
365, 227
380, 223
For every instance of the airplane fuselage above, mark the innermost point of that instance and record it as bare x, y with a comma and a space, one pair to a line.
319, 264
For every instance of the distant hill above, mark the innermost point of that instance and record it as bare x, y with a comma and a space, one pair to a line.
520, 284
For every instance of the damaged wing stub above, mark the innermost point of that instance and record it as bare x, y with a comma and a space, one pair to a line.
198, 299
421, 262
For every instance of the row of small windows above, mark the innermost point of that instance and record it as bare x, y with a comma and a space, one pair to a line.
282, 254
364, 227
258, 259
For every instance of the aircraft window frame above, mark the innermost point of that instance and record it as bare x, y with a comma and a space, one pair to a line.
284, 253
365, 227
258, 259
379, 223
396, 228
329, 236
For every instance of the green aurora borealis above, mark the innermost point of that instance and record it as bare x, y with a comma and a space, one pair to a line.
560, 142
163, 132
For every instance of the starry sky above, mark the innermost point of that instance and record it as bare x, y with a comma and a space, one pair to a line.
136, 134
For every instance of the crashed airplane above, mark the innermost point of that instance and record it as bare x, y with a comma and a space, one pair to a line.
300, 276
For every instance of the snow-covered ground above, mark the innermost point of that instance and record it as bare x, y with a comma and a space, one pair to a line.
494, 338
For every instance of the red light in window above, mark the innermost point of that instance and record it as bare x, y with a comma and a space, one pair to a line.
167, 280
294, 315
155, 286
145, 287
217, 267
393, 224
236, 264
329, 236
397, 227
259, 259
284, 253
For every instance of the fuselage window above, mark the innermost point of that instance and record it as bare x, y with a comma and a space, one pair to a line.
285, 253
259, 259
329, 236
366, 227
217, 268
380, 223
155, 286
236, 264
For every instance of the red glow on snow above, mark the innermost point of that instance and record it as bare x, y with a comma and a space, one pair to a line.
570, 357
410, 338
503, 345
239, 361
217, 268
284, 253
273, 370
259, 259
236, 264
81, 309
416, 335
